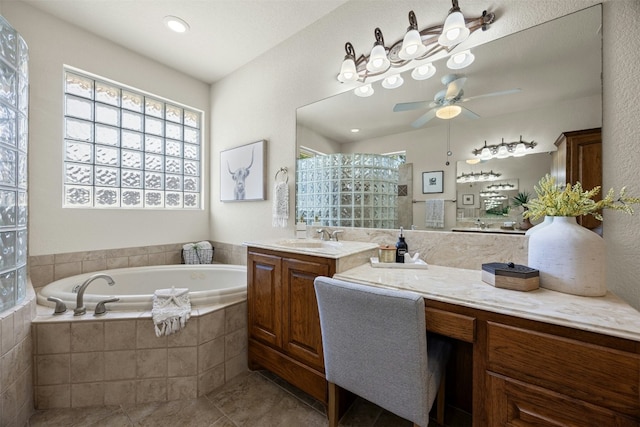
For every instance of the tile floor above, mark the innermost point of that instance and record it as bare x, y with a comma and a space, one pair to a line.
253, 399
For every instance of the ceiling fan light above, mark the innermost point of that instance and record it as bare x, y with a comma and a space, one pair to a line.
448, 112
348, 72
412, 46
393, 81
460, 60
454, 31
364, 91
423, 72
378, 60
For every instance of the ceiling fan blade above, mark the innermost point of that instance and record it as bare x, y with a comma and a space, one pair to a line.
423, 119
407, 106
470, 114
455, 87
502, 92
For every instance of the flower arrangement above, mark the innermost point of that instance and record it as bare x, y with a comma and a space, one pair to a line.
573, 200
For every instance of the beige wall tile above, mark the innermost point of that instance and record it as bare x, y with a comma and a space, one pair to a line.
86, 367
139, 260
68, 269
188, 336
87, 336
146, 335
235, 366
235, 343
119, 392
210, 354
210, 380
154, 390
53, 338
182, 361
41, 260
92, 265
173, 258
50, 397
90, 394
120, 365
68, 257
52, 369
236, 317
182, 388
211, 326
118, 262
113, 253
41, 275
151, 363
8, 337
9, 366
8, 405
156, 258
120, 335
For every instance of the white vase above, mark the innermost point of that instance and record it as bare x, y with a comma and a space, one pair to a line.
570, 258
547, 220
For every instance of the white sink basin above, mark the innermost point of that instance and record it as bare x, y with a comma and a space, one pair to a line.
309, 244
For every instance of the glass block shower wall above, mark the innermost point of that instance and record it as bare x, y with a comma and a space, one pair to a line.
348, 190
14, 106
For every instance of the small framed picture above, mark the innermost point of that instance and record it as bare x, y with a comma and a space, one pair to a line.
432, 182
468, 199
242, 171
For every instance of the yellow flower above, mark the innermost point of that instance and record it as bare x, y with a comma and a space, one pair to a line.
573, 200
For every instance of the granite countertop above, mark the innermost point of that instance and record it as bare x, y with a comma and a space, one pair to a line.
316, 247
608, 315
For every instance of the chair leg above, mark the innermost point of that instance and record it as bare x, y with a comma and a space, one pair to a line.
333, 405
440, 400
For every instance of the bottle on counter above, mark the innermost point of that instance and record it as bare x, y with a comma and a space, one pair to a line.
401, 247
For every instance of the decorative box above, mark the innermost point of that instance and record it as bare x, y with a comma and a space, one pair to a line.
511, 276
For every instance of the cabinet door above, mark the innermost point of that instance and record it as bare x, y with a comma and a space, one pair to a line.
301, 321
264, 298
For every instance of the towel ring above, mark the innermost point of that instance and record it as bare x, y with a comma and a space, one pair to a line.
283, 171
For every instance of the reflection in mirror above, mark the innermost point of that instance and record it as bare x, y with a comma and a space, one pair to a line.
544, 81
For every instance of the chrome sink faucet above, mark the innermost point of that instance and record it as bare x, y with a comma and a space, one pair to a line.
80, 308
324, 234
334, 235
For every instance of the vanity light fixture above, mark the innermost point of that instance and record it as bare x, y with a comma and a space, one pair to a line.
454, 31
501, 186
504, 149
416, 45
478, 176
176, 24
461, 60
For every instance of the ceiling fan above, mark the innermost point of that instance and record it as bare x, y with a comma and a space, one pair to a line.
445, 102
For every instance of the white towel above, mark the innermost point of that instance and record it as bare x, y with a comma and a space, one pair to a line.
171, 310
435, 213
280, 209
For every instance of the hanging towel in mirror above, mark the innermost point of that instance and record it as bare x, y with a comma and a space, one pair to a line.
435, 213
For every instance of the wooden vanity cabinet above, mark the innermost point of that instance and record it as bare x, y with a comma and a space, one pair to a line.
283, 319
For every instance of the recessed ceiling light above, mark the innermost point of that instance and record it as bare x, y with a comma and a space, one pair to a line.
176, 24
355, 130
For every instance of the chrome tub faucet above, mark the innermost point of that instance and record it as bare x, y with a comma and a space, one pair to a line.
80, 308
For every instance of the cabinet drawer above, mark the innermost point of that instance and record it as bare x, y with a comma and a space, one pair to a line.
453, 325
518, 404
602, 376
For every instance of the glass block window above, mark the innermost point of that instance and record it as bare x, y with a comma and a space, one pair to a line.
14, 108
127, 149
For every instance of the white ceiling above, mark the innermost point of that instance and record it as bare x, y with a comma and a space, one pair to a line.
224, 34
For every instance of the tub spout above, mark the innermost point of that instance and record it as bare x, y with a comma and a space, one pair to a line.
80, 308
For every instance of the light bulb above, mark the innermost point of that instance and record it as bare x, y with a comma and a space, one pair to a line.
423, 72
392, 81
448, 112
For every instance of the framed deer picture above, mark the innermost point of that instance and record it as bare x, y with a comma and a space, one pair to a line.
242, 172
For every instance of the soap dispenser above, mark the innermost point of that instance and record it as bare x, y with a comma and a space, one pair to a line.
401, 247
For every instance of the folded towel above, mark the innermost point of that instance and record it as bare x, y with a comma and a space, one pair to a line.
203, 245
171, 310
280, 210
435, 213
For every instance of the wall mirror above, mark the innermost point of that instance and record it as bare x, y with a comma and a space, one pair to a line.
547, 80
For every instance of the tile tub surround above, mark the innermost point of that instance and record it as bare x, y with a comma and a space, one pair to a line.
44, 269
16, 362
118, 359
